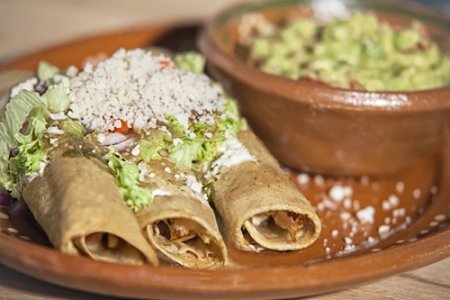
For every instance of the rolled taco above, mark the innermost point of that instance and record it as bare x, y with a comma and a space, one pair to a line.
259, 205
77, 203
180, 222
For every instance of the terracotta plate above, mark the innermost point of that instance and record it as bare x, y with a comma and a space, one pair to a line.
372, 227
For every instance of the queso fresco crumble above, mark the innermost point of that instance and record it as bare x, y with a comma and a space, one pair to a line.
141, 89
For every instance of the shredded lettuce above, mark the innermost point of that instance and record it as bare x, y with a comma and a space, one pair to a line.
127, 175
17, 111
195, 147
186, 153
151, 145
47, 71
57, 99
25, 105
190, 61
36, 127
29, 160
176, 128
231, 122
72, 127
6, 139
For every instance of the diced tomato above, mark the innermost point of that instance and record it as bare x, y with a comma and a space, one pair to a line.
123, 127
165, 64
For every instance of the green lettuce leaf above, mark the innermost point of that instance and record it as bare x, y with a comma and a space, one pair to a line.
127, 175
175, 127
47, 71
230, 120
72, 127
24, 106
17, 111
36, 127
29, 159
186, 153
57, 99
6, 180
6, 141
190, 61
151, 145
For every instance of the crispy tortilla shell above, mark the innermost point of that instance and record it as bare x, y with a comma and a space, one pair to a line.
79, 206
259, 205
181, 225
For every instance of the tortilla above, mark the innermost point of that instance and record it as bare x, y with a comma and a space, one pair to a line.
79, 206
259, 205
180, 223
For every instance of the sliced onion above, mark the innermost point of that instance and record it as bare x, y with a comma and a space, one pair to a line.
114, 139
18, 208
5, 199
123, 145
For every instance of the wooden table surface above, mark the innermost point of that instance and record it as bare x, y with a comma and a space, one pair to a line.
30, 25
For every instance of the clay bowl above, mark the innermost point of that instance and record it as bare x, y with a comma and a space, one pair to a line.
317, 128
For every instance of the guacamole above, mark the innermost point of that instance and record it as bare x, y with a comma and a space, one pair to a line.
360, 52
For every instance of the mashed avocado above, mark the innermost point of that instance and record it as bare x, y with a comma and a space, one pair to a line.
361, 52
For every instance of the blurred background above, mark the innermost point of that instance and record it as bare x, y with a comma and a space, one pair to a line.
30, 25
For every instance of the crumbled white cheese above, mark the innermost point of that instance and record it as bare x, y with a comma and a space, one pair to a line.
337, 193
160, 192
335, 233
135, 151
193, 184
136, 87
26, 85
366, 215
329, 204
54, 130
400, 187
177, 141
345, 216
417, 193
383, 230
386, 205
58, 116
101, 138
303, 178
393, 200
348, 203
167, 170
320, 206
72, 71
348, 241
319, 180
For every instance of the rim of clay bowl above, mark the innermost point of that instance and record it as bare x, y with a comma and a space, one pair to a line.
318, 94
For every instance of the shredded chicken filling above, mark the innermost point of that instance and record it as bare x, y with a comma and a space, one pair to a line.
296, 225
183, 236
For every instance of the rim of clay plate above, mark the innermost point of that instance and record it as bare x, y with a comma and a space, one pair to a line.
83, 273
